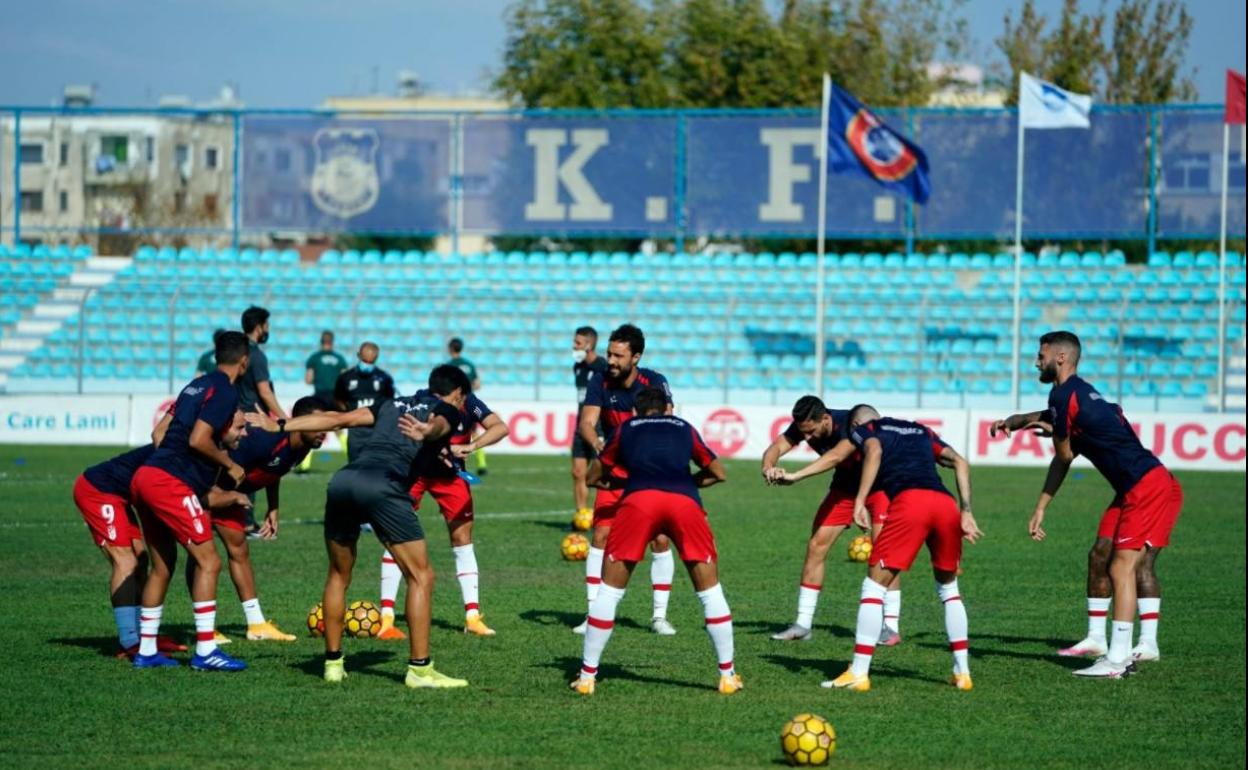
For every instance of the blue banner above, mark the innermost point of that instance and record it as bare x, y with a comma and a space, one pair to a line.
346, 175
1189, 189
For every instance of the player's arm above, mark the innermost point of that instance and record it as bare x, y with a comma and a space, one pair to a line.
598, 474
872, 456
218, 499
316, 423
1019, 422
437, 428
962, 475
340, 391
264, 389
711, 475
307, 375
495, 431
203, 442
588, 427
824, 463
779, 448
162, 427
1058, 468
272, 495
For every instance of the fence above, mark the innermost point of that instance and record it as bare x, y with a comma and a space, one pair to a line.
1139, 173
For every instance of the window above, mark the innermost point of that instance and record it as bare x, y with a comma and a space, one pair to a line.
182, 156
115, 147
210, 204
64, 201
31, 154
210, 157
281, 160
64, 154
149, 148
1189, 171
179, 202
32, 201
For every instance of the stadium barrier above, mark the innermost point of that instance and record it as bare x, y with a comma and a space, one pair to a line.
1182, 441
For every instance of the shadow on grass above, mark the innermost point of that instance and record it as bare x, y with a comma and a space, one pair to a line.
570, 667
769, 628
107, 646
828, 668
990, 651
561, 525
361, 662
570, 619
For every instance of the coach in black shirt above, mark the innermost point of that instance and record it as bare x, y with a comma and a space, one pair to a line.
255, 386
362, 385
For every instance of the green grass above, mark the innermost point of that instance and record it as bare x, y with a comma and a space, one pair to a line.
68, 703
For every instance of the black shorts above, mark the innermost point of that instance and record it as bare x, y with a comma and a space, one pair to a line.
356, 496
581, 450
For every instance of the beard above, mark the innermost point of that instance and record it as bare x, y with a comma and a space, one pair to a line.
1048, 374
263, 338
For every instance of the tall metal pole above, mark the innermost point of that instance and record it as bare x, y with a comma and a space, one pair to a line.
238, 175
1226, 138
17, 178
1018, 267
819, 236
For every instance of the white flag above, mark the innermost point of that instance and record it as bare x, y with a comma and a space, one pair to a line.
1044, 105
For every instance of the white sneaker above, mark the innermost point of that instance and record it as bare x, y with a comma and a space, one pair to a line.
1088, 648
662, 627
1145, 653
580, 629
1104, 668
794, 633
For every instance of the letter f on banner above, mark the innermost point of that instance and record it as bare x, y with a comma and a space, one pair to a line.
549, 173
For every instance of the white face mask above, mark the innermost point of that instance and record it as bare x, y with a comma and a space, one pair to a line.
578, 356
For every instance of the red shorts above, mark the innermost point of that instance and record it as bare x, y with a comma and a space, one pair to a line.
234, 517
606, 503
915, 517
1146, 514
837, 509
164, 499
453, 496
110, 518
648, 513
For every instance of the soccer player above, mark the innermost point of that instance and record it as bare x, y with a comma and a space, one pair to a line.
455, 349
586, 363
610, 399
445, 483
321, 372
1136, 525
823, 429
900, 458
659, 496
266, 458
363, 385
373, 488
166, 491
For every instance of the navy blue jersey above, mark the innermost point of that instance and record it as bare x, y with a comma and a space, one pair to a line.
1099, 431
112, 477
210, 398
471, 415
848, 473
910, 452
655, 452
266, 457
617, 402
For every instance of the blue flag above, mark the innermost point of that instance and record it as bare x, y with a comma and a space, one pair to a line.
859, 142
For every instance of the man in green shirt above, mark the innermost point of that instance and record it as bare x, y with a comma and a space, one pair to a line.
208, 361
455, 348
322, 370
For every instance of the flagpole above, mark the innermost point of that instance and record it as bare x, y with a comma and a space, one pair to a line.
819, 236
1018, 262
1226, 138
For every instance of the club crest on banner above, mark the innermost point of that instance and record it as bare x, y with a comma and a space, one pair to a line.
888, 158
345, 182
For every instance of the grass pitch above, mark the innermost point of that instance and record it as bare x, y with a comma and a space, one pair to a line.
68, 703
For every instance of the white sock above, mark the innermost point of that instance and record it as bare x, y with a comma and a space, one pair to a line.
870, 620
1150, 614
391, 576
149, 627
205, 624
807, 600
252, 611
662, 569
127, 626
1120, 641
598, 629
718, 626
466, 574
593, 573
892, 611
1098, 612
956, 625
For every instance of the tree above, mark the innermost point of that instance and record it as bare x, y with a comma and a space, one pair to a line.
1144, 63
1070, 56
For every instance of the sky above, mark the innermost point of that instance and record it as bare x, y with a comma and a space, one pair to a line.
295, 53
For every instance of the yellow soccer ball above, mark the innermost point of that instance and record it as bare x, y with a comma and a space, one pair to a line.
575, 547
807, 739
582, 520
316, 620
860, 548
363, 620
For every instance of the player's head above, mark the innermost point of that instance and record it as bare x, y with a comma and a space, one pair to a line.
232, 349
327, 340
455, 346
450, 384
309, 405
236, 431
368, 354
862, 414
1059, 351
811, 417
216, 335
624, 349
584, 339
256, 324
650, 401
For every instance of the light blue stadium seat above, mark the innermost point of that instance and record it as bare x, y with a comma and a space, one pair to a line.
371, 257
330, 257
288, 257
1092, 259
981, 261
937, 261
873, 260
959, 261
1184, 259
1159, 259
1068, 259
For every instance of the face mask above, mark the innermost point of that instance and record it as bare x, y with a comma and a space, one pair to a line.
363, 367
263, 338
578, 356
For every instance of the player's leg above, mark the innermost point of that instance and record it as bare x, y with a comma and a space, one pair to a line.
124, 590
580, 490
605, 503
1100, 589
392, 578
482, 468
944, 544
1148, 600
413, 559
890, 636
1117, 661
242, 574
662, 571
454, 498
162, 552
834, 514
341, 553
208, 656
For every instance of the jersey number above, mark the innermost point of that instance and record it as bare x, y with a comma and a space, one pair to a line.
192, 506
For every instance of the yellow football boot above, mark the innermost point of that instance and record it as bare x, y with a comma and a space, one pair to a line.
268, 632
850, 681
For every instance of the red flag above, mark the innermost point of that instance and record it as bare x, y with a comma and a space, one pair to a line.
1234, 97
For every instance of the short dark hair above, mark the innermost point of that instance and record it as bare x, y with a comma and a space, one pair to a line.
630, 335
587, 331
446, 379
252, 317
651, 400
217, 334
231, 347
1064, 339
327, 333
809, 408
307, 405
456, 345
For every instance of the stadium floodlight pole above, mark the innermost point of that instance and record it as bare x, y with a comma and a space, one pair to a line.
1226, 138
819, 236
1018, 262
